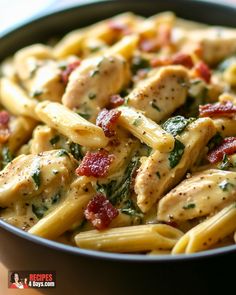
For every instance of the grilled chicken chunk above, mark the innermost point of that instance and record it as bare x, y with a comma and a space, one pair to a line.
160, 172
30, 175
202, 194
91, 84
161, 94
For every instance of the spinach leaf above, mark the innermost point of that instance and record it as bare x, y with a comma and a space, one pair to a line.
176, 125
36, 175
39, 211
75, 150
214, 141
176, 154
6, 156
54, 140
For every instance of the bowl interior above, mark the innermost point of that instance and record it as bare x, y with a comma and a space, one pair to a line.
58, 23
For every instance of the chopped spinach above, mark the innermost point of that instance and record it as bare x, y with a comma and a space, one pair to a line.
84, 115
62, 153
155, 106
119, 192
176, 125
75, 150
225, 185
55, 198
137, 121
92, 95
6, 156
176, 154
129, 208
54, 140
39, 211
36, 175
214, 141
189, 206
138, 63
225, 163
37, 93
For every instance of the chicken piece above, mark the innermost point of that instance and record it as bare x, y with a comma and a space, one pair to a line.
161, 94
91, 84
27, 58
202, 194
215, 43
46, 82
161, 171
30, 175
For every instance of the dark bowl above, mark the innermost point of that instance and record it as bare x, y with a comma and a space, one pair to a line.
90, 272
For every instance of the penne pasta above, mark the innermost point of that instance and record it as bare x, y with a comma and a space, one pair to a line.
70, 124
130, 239
209, 232
15, 100
145, 129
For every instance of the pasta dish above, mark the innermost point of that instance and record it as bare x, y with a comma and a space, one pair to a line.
121, 136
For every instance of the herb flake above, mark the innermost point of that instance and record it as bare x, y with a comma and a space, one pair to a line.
189, 206
176, 154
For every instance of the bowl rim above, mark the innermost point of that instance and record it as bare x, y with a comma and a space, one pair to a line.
68, 249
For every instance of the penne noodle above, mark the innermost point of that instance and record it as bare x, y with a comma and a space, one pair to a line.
15, 100
209, 232
130, 239
70, 124
145, 129
61, 219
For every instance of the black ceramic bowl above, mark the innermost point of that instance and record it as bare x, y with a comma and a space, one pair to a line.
90, 272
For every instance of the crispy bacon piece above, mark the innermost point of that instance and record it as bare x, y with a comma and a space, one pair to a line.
100, 212
69, 69
115, 101
107, 120
95, 164
202, 71
227, 147
182, 59
177, 59
4, 128
119, 27
217, 109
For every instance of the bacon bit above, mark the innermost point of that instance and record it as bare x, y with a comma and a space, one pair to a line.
158, 62
95, 164
182, 59
119, 27
69, 69
115, 101
4, 118
177, 59
217, 109
107, 120
149, 45
227, 146
4, 128
100, 212
202, 71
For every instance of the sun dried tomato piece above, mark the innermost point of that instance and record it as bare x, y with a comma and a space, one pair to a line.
100, 212
95, 164
182, 59
107, 120
227, 147
202, 71
115, 101
217, 109
69, 69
